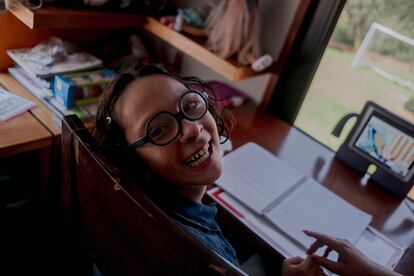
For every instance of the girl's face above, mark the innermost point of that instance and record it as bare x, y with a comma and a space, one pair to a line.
193, 158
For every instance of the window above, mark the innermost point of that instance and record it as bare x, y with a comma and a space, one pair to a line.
370, 56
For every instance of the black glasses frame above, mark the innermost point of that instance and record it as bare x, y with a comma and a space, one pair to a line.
179, 116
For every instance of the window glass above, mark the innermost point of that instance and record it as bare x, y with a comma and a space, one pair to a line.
369, 57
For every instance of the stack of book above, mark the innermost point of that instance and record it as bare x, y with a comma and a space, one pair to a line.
38, 68
81, 89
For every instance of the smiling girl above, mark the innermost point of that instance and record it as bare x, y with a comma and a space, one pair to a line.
165, 131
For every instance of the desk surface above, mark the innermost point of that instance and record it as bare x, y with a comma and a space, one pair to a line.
391, 216
23, 133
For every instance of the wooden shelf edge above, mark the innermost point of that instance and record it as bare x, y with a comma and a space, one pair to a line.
23, 14
60, 17
224, 67
29, 146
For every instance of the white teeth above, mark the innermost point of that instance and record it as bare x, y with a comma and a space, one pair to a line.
198, 158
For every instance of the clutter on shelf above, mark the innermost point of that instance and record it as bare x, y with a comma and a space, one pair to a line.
36, 69
53, 57
224, 95
231, 28
69, 80
80, 89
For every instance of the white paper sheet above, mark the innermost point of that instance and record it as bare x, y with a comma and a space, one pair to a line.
256, 177
313, 207
12, 105
379, 248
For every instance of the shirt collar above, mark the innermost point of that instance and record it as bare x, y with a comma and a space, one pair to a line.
203, 216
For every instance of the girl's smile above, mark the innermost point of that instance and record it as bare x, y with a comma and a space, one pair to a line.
202, 158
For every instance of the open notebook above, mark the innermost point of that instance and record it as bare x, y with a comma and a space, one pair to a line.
372, 243
286, 198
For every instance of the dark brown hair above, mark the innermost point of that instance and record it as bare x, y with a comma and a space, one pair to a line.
110, 135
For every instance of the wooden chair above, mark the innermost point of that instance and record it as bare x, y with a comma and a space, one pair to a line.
125, 232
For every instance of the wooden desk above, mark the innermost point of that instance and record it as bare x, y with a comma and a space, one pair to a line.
21, 134
391, 216
25, 133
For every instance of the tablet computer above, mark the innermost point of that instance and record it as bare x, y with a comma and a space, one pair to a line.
382, 138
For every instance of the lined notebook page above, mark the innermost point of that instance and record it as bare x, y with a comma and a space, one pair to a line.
313, 207
256, 177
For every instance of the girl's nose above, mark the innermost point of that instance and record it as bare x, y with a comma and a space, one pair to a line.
190, 130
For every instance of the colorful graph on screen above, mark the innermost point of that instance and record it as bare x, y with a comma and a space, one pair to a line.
387, 144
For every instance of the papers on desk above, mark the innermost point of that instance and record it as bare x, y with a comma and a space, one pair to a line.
315, 208
12, 105
373, 244
288, 199
256, 177
279, 202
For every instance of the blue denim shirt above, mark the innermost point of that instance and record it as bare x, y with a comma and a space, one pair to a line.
199, 220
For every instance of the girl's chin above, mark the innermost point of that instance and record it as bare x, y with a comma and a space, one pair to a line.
203, 178
212, 176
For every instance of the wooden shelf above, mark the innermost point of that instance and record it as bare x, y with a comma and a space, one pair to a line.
227, 68
60, 17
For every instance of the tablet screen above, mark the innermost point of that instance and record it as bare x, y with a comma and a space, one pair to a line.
390, 146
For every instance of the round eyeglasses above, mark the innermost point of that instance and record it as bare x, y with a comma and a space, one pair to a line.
162, 128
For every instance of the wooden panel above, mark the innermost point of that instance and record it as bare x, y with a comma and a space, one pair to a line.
14, 34
227, 68
40, 111
57, 17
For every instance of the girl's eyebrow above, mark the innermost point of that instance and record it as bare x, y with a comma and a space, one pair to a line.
149, 117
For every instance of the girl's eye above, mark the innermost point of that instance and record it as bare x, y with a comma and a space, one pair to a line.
192, 107
159, 132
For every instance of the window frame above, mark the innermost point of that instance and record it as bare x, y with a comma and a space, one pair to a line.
304, 59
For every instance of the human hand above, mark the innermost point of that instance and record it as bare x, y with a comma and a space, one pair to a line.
296, 266
350, 261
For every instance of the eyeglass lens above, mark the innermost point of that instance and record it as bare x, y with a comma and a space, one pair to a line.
164, 127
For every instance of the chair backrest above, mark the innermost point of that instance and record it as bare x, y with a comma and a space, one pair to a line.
124, 230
